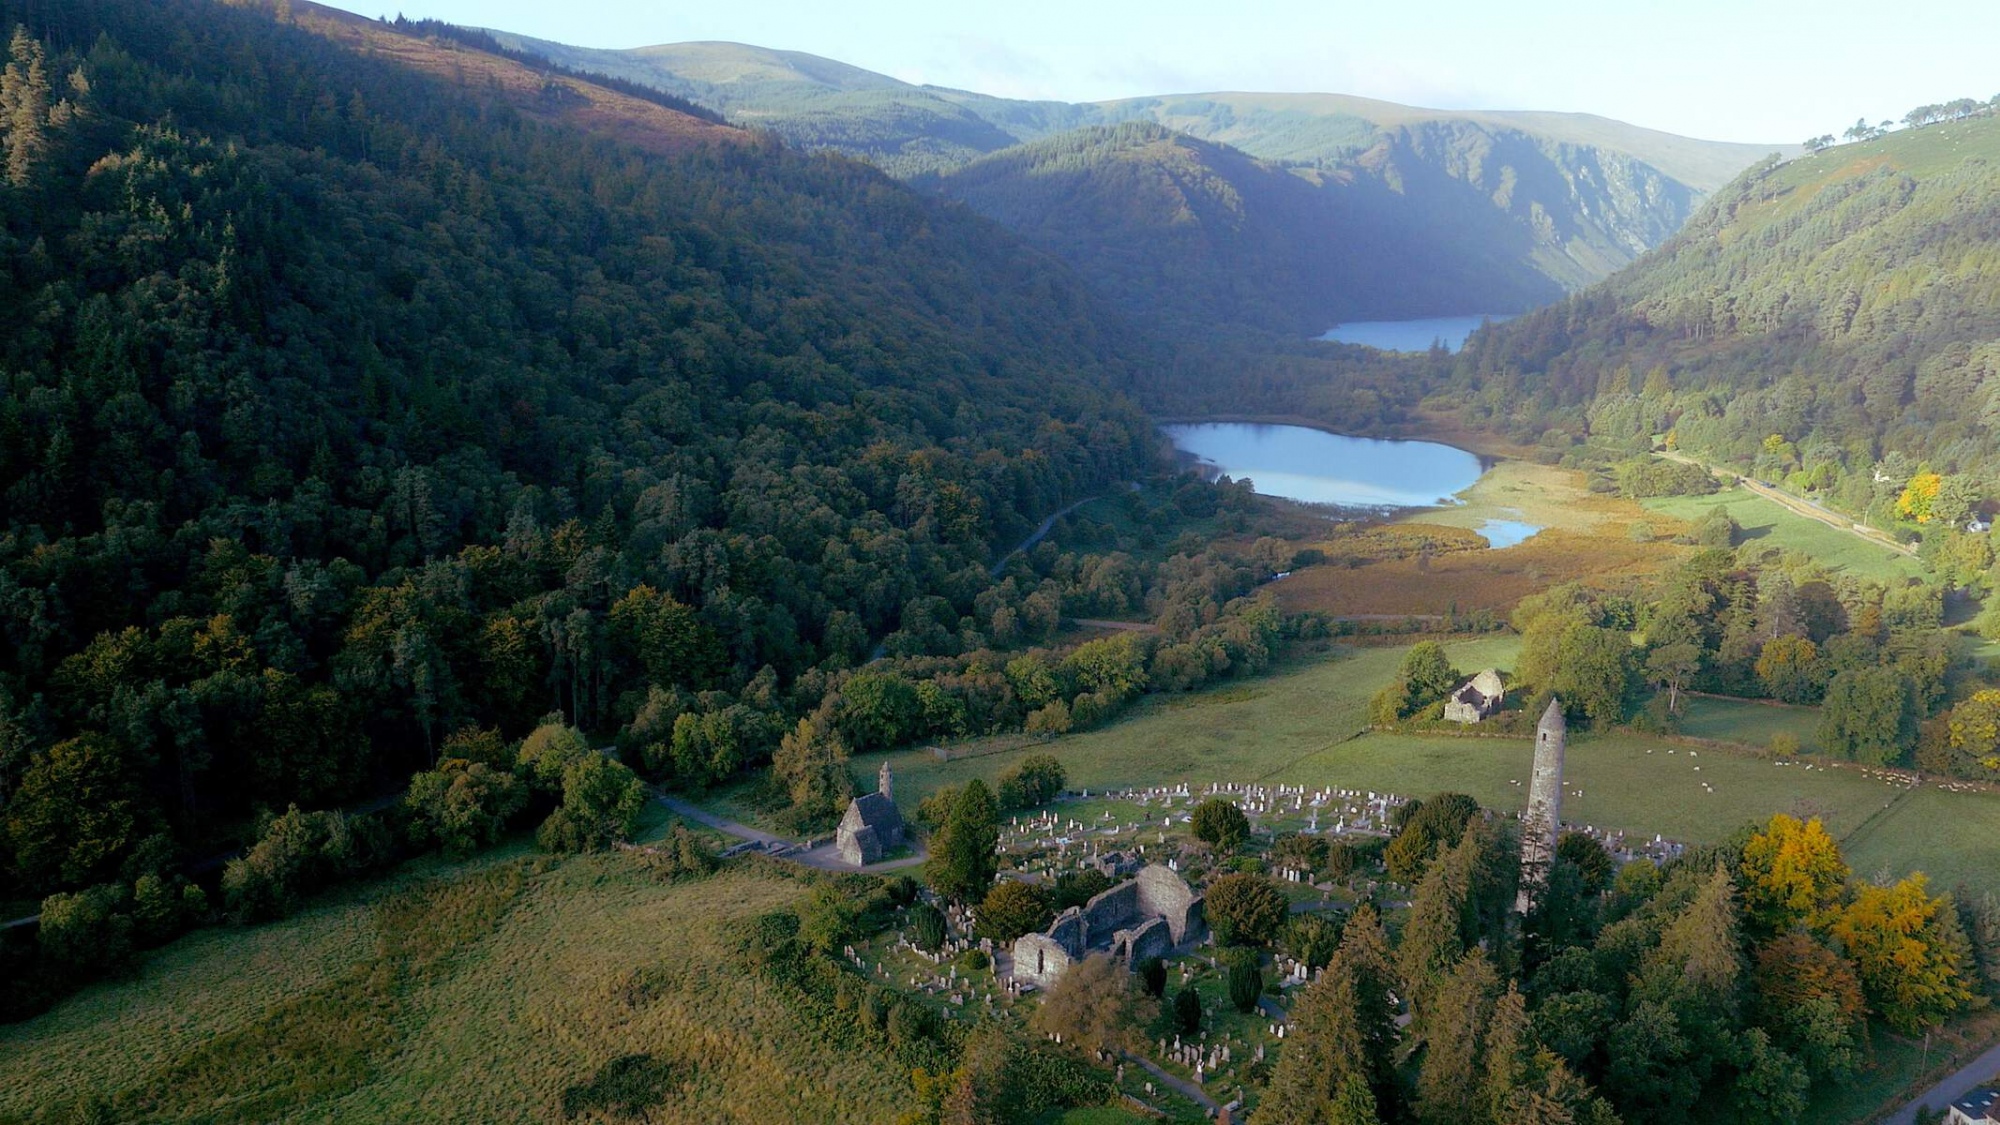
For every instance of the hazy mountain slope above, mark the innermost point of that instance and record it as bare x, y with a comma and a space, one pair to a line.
1480, 197
1310, 127
1194, 232
1848, 302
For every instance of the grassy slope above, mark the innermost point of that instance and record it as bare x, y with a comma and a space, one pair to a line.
589, 959
1766, 522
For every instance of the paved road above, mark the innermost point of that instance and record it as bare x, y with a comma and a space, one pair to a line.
1980, 1070
824, 857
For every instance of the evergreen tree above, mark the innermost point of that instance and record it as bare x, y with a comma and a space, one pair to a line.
962, 862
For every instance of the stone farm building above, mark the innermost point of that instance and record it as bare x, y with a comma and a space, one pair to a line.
1151, 914
872, 827
1477, 699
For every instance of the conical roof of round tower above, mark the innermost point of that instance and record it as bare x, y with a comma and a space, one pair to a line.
1552, 719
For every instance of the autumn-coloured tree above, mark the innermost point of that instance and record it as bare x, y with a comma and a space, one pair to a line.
1790, 669
1095, 1005
1810, 999
1918, 497
1900, 937
1793, 874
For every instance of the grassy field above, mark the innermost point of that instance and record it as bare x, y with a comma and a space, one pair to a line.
1238, 732
1750, 723
1764, 521
397, 1003
1307, 726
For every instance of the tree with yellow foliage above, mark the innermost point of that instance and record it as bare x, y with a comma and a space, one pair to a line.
1918, 496
1792, 875
1913, 956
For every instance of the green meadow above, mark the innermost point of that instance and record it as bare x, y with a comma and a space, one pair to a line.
1764, 521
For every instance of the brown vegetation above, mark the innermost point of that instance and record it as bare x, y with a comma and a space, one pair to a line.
546, 98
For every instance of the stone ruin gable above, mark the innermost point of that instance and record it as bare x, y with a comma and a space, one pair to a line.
1164, 893
1039, 959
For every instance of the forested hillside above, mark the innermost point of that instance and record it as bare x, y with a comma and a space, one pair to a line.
350, 401
1467, 211
1832, 323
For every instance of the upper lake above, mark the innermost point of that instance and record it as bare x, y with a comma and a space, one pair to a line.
1321, 468
1412, 335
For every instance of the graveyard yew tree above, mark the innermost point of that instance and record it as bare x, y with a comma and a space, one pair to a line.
557, 583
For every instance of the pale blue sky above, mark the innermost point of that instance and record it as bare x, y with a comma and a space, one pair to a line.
1747, 70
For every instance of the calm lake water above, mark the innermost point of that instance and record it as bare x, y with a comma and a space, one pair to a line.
1412, 335
1321, 468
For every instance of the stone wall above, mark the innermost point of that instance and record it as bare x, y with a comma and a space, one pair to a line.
1039, 959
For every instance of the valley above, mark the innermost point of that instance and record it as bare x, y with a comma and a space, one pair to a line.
707, 583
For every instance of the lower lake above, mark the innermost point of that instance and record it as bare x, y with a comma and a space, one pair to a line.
1413, 335
1316, 467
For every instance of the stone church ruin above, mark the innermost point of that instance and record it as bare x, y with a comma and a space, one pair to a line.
1153, 914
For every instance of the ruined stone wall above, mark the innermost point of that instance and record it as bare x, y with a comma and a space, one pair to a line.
1113, 910
1164, 893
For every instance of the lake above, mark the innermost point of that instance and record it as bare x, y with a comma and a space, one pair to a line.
1412, 335
1322, 468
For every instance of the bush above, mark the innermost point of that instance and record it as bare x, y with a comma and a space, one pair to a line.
1077, 887
1245, 909
1153, 975
1187, 1012
1220, 824
902, 890
975, 961
1246, 980
85, 933
927, 927
1313, 938
601, 803
1036, 781
1011, 909
681, 855
462, 806
1049, 721
299, 853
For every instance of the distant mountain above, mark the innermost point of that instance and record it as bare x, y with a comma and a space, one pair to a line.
1190, 231
1816, 316
1504, 210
